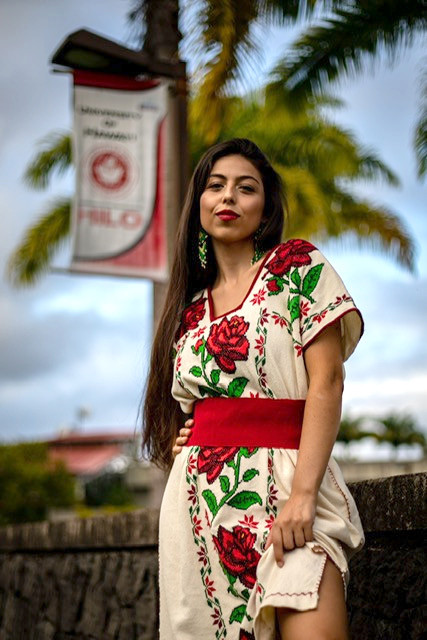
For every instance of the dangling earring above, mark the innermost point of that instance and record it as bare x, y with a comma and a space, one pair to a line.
258, 253
203, 248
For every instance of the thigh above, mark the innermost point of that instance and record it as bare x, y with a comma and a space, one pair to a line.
328, 621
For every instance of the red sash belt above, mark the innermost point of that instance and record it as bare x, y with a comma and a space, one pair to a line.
247, 422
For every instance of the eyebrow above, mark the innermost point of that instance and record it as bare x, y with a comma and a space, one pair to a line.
219, 175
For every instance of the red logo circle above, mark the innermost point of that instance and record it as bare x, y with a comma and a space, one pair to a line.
110, 170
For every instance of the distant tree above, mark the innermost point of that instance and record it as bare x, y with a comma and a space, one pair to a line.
108, 489
398, 429
30, 484
350, 429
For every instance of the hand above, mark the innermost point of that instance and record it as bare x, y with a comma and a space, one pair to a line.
293, 526
181, 440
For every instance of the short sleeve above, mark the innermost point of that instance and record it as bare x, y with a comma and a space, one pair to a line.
190, 318
322, 299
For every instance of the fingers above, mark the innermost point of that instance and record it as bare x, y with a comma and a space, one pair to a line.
182, 438
285, 537
278, 544
299, 537
308, 533
176, 450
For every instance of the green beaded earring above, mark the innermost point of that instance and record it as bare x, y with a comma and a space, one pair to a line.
258, 253
203, 248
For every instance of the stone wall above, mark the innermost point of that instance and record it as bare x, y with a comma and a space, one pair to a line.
96, 579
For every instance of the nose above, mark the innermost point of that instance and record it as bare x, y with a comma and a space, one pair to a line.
228, 193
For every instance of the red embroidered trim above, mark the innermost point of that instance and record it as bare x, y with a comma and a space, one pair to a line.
323, 327
341, 492
301, 593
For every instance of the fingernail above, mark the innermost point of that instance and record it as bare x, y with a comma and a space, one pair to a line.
280, 563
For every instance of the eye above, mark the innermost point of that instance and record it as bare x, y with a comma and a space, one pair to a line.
215, 186
247, 188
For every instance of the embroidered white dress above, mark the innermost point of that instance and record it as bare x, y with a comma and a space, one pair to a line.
216, 580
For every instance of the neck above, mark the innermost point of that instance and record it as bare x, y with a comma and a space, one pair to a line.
233, 261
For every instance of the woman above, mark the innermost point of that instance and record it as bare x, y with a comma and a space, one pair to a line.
256, 523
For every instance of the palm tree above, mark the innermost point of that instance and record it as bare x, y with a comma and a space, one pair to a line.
350, 429
317, 160
354, 34
221, 35
314, 157
398, 429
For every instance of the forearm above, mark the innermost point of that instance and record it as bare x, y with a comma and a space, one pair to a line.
319, 431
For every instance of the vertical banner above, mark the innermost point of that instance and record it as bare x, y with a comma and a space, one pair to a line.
119, 217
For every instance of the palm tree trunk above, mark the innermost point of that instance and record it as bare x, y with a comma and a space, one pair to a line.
162, 36
161, 41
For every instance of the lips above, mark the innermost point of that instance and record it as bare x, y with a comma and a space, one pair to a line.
227, 214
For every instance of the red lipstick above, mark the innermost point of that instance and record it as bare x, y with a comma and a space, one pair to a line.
227, 214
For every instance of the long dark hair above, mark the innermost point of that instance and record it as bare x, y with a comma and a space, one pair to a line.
162, 417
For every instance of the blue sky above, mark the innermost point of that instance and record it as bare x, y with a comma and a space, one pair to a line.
76, 341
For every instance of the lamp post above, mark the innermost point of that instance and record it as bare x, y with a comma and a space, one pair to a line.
88, 51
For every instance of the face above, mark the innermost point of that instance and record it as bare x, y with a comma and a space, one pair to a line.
232, 204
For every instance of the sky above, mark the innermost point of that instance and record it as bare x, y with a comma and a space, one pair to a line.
75, 342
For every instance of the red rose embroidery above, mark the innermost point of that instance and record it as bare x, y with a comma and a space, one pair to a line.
272, 285
290, 254
246, 635
227, 342
237, 554
191, 317
211, 460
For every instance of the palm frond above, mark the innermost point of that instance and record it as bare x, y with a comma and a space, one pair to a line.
343, 43
226, 35
55, 156
377, 228
31, 259
421, 145
226, 30
420, 137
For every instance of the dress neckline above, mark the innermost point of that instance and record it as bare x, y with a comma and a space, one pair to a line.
212, 315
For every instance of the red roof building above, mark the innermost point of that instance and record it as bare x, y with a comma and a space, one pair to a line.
89, 454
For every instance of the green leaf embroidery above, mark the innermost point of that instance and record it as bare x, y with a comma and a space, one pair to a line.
215, 373
231, 579
174, 352
246, 594
236, 387
225, 483
196, 371
208, 358
249, 474
246, 453
238, 613
311, 279
207, 391
210, 501
293, 306
244, 500
231, 464
296, 278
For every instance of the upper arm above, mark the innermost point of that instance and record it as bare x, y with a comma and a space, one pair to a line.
323, 358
